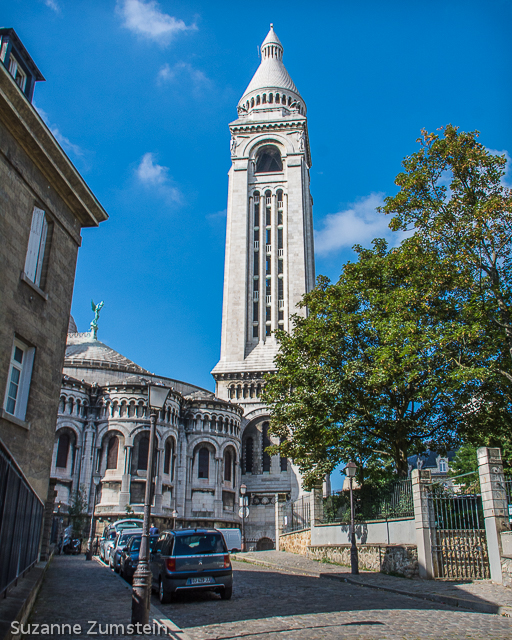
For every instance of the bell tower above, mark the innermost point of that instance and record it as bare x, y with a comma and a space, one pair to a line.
269, 262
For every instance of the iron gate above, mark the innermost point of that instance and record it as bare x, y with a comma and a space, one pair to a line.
459, 543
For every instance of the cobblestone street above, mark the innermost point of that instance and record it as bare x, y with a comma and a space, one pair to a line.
267, 604
274, 605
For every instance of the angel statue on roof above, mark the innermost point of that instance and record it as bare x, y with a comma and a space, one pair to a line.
94, 324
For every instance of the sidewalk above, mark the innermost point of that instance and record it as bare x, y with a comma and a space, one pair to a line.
479, 595
95, 599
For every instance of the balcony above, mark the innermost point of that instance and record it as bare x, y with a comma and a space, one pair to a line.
256, 296
256, 199
268, 201
281, 304
269, 248
256, 245
280, 253
269, 299
279, 204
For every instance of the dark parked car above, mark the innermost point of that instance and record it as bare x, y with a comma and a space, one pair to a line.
122, 539
129, 556
191, 559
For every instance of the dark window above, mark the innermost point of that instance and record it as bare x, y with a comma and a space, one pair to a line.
113, 448
279, 238
198, 544
265, 443
268, 313
255, 311
269, 159
268, 265
255, 331
203, 463
269, 287
283, 461
142, 461
167, 457
268, 236
248, 455
280, 266
227, 466
268, 218
280, 289
256, 263
268, 330
62, 451
281, 315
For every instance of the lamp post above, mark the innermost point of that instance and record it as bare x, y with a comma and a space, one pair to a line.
174, 516
350, 470
243, 491
141, 593
88, 555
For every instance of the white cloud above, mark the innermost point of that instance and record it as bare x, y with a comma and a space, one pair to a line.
178, 71
52, 5
146, 19
65, 143
358, 224
153, 175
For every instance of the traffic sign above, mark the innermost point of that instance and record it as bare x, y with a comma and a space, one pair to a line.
241, 512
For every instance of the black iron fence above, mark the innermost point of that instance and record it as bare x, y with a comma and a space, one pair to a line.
459, 543
299, 516
21, 516
393, 500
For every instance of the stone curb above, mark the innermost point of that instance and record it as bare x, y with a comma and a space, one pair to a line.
460, 603
20, 600
158, 616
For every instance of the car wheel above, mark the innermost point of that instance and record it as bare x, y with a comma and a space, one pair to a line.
163, 595
116, 567
226, 593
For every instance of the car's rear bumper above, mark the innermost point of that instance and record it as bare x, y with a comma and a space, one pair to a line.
222, 579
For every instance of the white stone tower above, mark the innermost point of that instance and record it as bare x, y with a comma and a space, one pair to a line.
269, 243
269, 261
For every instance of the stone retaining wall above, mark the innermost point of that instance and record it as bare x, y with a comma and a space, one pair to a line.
394, 559
296, 542
506, 570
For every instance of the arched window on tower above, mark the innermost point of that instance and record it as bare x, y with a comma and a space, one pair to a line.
63, 451
203, 463
142, 460
112, 450
269, 159
168, 456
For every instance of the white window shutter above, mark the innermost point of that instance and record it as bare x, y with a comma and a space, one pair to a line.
13, 66
42, 245
26, 377
34, 243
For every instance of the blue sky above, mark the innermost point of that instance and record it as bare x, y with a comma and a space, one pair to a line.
140, 95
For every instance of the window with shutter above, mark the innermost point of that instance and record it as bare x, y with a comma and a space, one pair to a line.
36, 246
18, 381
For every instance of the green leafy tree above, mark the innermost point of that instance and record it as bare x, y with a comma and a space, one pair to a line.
465, 462
78, 513
452, 193
369, 374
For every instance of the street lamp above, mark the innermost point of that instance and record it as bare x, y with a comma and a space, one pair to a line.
174, 516
141, 593
350, 470
243, 491
88, 555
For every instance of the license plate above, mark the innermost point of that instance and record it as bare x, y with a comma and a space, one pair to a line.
200, 580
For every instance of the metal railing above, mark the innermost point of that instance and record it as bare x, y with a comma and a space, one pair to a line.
508, 489
269, 248
300, 515
371, 503
256, 245
280, 253
21, 516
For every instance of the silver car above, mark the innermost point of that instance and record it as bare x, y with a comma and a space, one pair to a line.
122, 539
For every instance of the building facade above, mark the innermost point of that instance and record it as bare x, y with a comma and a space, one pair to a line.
45, 203
269, 265
102, 440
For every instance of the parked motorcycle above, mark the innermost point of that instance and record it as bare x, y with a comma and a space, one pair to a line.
72, 546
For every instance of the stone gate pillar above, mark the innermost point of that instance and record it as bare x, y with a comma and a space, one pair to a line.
494, 499
423, 520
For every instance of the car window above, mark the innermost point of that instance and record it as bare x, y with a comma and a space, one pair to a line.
112, 535
135, 544
152, 543
199, 543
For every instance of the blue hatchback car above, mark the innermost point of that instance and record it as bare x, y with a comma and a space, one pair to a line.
191, 559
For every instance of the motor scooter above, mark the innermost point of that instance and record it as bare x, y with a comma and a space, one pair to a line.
71, 546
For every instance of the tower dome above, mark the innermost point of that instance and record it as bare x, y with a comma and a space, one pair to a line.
271, 86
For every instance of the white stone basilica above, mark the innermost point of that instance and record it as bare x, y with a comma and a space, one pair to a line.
208, 445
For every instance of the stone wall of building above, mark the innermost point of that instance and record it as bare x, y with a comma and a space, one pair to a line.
506, 569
